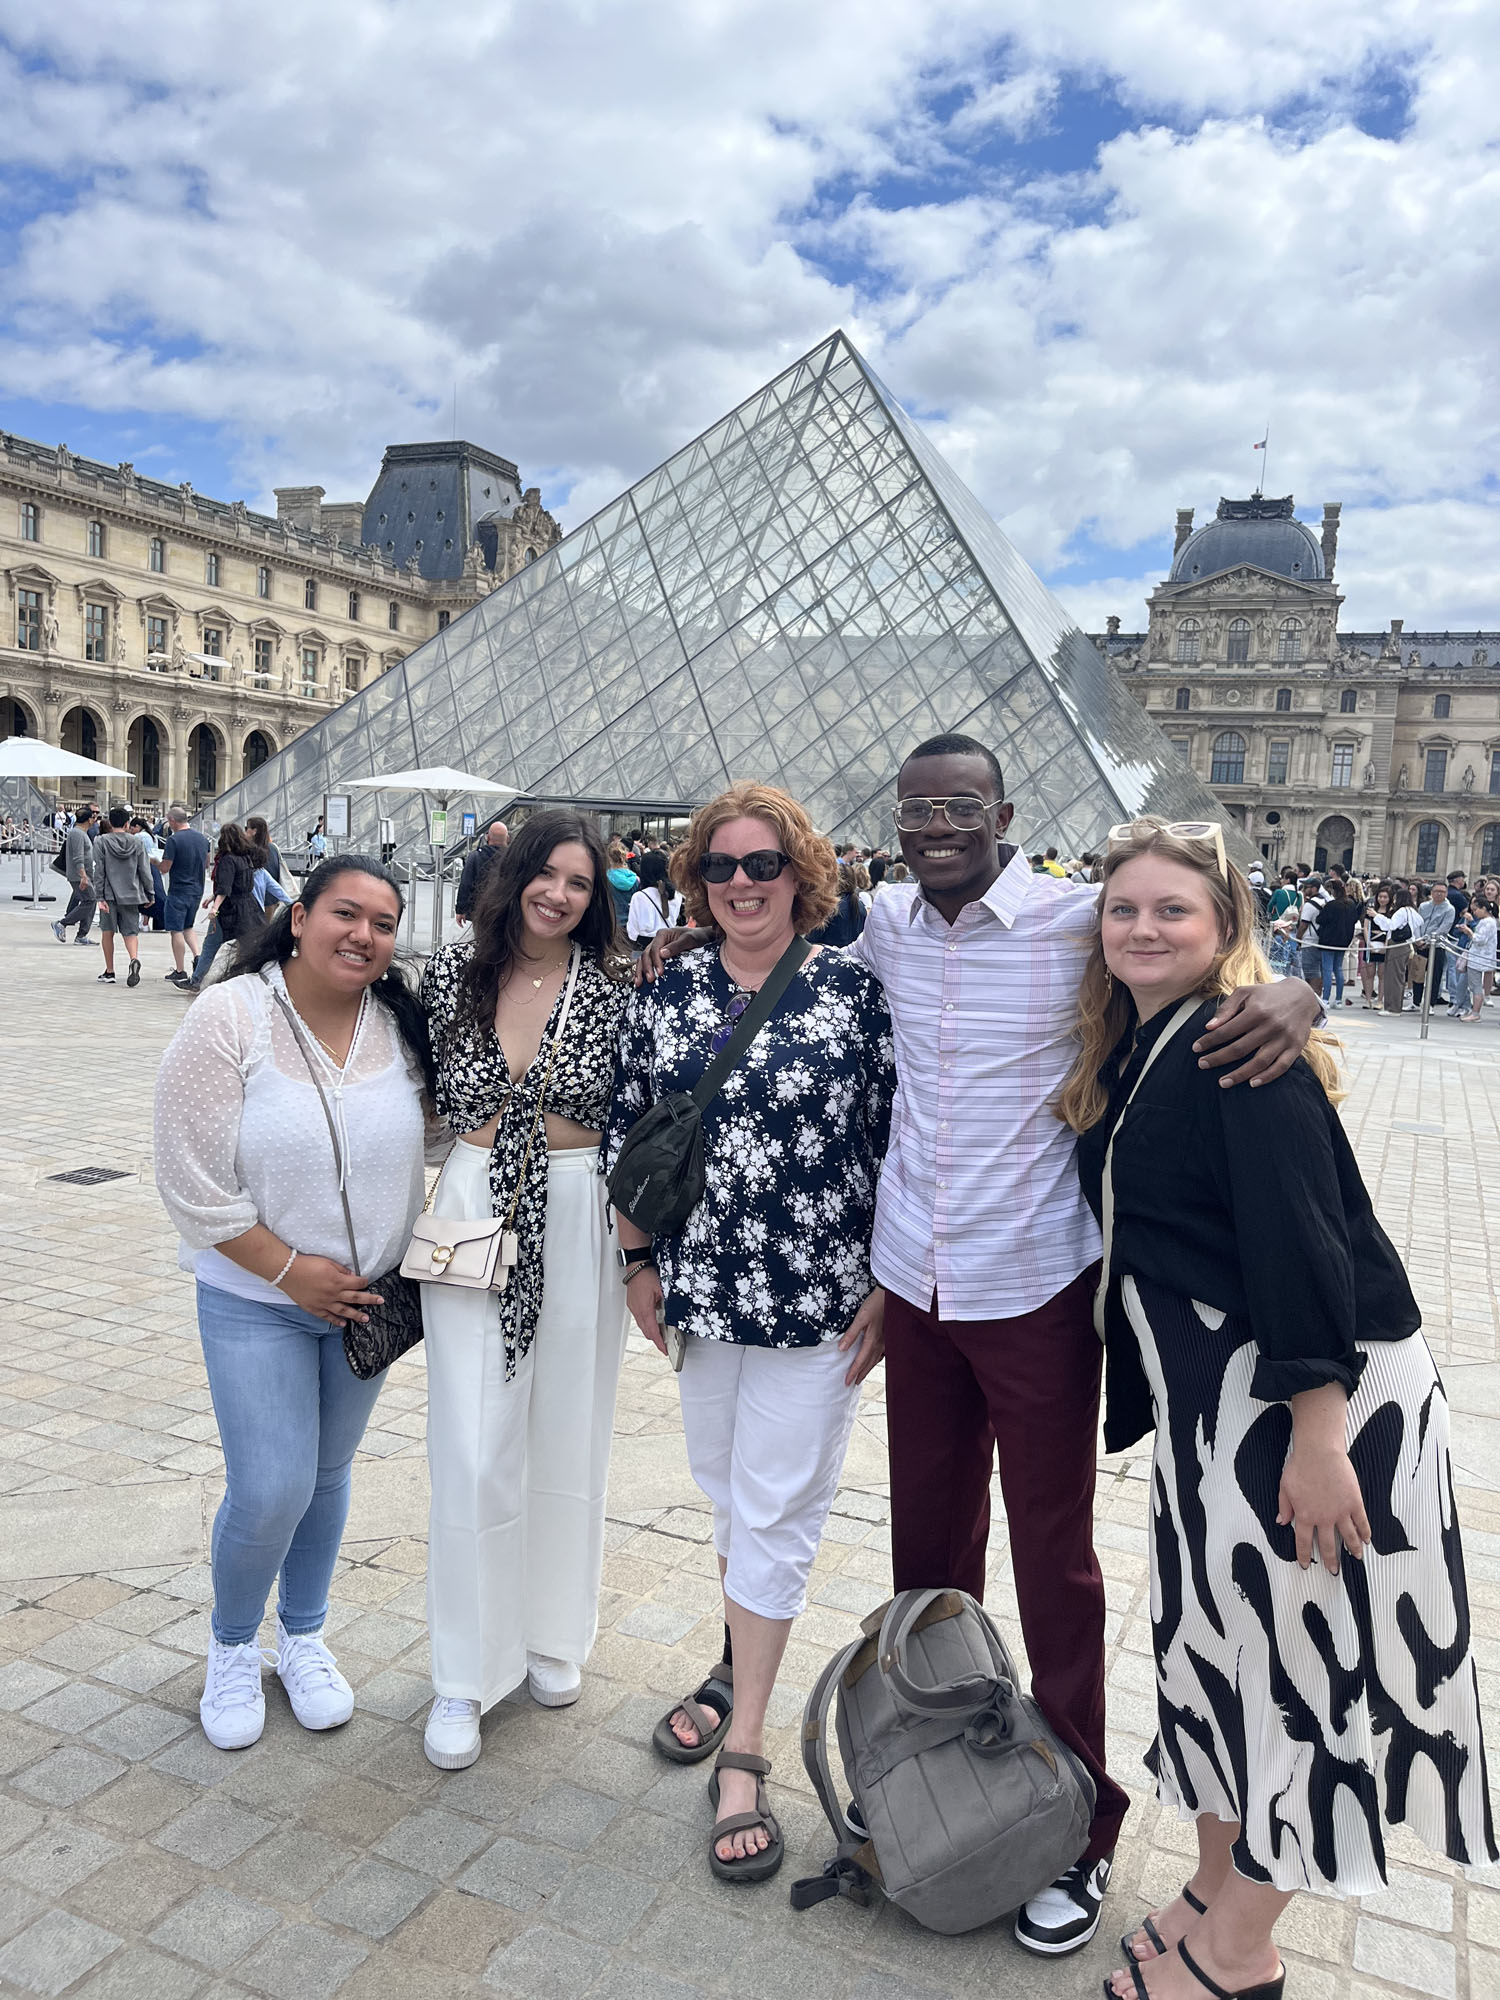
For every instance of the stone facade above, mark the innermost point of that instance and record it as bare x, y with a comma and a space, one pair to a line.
185, 639
1379, 749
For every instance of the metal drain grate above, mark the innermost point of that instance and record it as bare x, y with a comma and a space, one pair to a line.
90, 1176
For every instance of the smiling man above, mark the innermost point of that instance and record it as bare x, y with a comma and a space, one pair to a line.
988, 1253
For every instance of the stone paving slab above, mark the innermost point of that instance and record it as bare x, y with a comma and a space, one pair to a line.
137, 1860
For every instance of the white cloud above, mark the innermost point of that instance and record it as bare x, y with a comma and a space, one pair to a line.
605, 223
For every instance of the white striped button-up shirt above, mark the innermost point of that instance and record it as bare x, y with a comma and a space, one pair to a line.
979, 1198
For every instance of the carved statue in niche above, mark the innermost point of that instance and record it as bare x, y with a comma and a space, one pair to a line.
1481, 657
51, 631
237, 663
1369, 774
1401, 779
1468, 778
119, 642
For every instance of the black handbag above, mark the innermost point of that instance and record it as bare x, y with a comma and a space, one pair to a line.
658, 1177
395, 1325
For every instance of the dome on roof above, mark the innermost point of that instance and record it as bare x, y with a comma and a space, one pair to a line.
1263, 533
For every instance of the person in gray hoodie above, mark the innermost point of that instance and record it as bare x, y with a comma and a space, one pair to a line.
123, 886
78, 863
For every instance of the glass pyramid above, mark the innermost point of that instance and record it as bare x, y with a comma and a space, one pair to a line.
800, 595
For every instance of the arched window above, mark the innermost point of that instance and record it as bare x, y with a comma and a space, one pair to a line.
1349, 701
1429, 833
1238, 647
1289, 639
1283, 700
203, 759
1442, 706
257, 750
1489, 849
1187, 637
1228, 766
1184, 697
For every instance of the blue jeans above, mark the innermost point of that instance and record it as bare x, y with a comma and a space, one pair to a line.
209, 952
1333, 974
291, 1413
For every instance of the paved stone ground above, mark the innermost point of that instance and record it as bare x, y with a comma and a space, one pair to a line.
135, 1860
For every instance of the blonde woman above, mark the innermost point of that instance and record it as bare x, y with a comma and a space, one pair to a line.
1258, 1316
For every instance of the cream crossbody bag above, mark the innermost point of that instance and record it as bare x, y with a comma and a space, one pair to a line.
1185, 1012
479, 1256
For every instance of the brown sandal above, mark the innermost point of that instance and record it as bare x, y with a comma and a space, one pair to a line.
748, 1867
712, 1727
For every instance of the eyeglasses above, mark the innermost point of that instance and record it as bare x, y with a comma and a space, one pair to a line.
764, 865
732, 1014
1181, 829
964, 814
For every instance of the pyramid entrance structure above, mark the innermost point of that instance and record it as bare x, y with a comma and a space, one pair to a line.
800, 595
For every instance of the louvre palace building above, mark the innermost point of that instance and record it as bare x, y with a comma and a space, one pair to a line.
189, 640
1377, 749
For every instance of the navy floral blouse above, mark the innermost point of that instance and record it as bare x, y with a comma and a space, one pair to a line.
777, 1254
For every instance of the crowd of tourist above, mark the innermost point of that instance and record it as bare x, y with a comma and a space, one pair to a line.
1019, 1136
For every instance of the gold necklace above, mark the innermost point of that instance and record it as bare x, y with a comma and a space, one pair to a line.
551, 970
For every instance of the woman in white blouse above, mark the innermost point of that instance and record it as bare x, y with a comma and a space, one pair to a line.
656, 905
246, 1166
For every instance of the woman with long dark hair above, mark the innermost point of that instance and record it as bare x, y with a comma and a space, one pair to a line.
234, 913
656, 905
524, 1014
251, 1176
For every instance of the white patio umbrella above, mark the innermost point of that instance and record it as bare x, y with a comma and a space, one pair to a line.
439, 782
29, 757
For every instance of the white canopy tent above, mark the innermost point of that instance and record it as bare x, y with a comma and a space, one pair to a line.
438, 784
29, 757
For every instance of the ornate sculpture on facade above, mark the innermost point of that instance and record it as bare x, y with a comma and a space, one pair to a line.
237, 665
1401, 779
51, 631
1468, 778
1369, 774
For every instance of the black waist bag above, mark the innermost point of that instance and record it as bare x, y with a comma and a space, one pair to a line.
658, 1179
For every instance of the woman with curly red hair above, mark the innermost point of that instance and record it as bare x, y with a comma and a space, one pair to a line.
769, 1278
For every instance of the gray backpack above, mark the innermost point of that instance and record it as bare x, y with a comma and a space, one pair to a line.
971, 1803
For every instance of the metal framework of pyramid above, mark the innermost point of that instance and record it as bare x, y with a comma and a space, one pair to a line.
799, 595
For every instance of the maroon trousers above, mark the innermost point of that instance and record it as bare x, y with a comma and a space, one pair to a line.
954, 1390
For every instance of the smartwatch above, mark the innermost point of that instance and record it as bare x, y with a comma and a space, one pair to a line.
631, 1261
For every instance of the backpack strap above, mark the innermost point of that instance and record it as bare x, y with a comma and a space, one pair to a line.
843, 1875
972, 1691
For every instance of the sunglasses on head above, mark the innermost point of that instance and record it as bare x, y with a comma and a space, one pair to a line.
1208, 830
764, 865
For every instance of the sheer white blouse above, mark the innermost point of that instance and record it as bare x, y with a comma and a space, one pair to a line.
241, 1137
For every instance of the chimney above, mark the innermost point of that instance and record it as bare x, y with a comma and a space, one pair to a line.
1331, 511
1113, 625
300, 507
1184, 527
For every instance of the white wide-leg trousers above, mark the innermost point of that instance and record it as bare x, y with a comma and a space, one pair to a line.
519, 1468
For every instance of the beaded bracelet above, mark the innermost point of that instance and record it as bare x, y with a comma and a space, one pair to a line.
285, 1268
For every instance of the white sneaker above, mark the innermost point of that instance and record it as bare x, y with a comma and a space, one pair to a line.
1064, 1916
554, 1683
320, 1696
233, 1708
452, 1735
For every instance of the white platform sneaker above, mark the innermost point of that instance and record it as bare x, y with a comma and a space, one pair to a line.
451, 1739
233, 1708
554, 1683
320, 1696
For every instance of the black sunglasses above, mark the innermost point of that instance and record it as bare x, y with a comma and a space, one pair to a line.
764, 865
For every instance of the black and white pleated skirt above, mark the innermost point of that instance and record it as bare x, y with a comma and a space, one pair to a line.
1314, 1710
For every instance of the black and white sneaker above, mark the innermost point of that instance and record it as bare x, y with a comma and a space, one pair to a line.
1064, 1916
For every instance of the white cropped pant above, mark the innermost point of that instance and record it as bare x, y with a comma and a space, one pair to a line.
766, 1430
518, 1468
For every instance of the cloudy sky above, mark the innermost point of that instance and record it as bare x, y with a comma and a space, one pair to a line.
1094, 247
